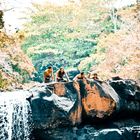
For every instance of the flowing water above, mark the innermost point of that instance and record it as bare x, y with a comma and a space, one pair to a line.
15, 116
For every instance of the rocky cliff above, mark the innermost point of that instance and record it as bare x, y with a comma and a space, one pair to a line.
15, 66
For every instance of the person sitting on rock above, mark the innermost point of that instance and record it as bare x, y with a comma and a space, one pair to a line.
60, 75
80, 76
48, 75
95, 76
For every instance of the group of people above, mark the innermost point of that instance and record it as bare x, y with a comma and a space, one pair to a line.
61, 75
49, 75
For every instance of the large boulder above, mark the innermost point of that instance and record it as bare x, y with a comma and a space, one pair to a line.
126, 89
129, 92
71, 103
97, 100
58, 104
55, 105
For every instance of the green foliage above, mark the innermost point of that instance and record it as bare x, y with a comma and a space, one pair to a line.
103, 50
108, 26
55, 40
114, 71
123, 62
88, 65
66, 52
22, 72
16, 68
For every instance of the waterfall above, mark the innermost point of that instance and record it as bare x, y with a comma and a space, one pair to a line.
15, 116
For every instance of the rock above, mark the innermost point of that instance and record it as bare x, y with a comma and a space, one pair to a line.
109, 134
55, 105
126, 89
97, 102
126, 133
87, 132
72, 103
58, 104
72, 73
123, 122
129, 93
136, 131
116, 78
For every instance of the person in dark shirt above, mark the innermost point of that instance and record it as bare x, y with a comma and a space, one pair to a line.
95, 76
60, 75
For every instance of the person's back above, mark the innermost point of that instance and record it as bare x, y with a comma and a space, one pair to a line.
48, 75
80, 76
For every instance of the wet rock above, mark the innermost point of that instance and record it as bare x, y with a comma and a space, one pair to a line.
109, 134
136, 131
126, 89
125, 133
129, 93
63, 104
52, 108
97, 102
72, 103
128, 134
72, 73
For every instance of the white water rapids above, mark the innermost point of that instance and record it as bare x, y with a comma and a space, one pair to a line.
15, 116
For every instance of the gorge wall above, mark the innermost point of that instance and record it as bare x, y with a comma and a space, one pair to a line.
15, 66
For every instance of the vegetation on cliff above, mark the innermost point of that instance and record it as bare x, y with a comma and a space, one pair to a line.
118, 54
15, 66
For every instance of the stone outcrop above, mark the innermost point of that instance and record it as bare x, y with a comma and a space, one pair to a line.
51, 107
88, 133
97, 103
66, 104
129, 92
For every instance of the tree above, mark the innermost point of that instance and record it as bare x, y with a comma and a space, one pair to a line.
1, 19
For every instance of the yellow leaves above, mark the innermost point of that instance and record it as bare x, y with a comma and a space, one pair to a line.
3, 81
5, 40
18, 61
